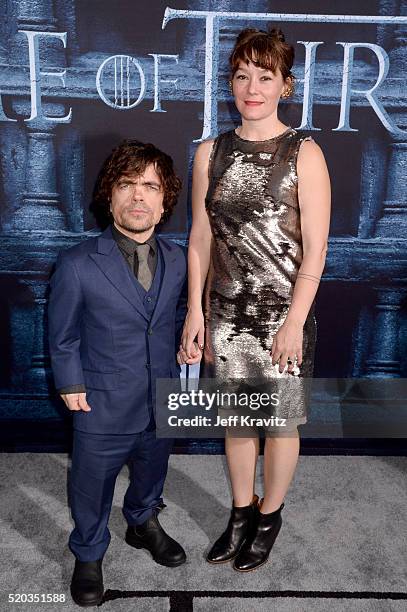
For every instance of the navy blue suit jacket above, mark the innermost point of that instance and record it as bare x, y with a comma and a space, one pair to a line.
101, 336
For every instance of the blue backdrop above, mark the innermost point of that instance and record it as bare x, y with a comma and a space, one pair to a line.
77, 76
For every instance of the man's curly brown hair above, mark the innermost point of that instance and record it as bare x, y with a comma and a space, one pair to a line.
132, 157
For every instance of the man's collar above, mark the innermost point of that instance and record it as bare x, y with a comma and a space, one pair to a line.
129, 244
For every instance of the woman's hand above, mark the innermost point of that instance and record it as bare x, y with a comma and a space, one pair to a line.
194, 328
287, 344
196, 358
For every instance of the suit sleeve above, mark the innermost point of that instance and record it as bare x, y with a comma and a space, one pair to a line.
72, 389
64, 315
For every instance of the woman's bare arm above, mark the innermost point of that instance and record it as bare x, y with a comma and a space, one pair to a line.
314, 195
198, 251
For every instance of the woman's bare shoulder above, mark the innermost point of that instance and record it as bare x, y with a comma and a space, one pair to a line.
309, 152
203, 153
311, 163
204, 149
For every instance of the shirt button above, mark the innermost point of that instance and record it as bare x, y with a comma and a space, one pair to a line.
149, 299
150, 331
148, 365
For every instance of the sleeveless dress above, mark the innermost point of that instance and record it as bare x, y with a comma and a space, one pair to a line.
256, 251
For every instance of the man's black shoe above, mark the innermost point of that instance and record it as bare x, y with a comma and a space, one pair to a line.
87, 583
151, 536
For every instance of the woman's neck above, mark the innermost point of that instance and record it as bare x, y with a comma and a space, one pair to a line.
262, 129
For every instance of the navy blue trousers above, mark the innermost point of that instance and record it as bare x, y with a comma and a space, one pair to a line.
96, 461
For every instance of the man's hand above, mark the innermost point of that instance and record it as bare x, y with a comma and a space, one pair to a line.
76, 401
196, 355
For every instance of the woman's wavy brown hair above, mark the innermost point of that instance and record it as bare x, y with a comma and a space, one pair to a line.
267, 50
132, 157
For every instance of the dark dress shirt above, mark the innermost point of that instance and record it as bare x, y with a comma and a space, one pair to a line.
128, 246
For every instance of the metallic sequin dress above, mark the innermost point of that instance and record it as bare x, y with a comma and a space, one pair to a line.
256, 251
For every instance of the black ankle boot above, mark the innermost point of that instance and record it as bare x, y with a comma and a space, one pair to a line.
151, 536
228, 545
87, 583
256, 549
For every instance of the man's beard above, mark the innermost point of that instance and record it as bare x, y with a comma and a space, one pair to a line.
145, 226
137, 230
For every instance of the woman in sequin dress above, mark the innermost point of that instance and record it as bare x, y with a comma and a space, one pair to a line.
261, 205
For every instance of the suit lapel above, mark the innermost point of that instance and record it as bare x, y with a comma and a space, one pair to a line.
169, 259
111, 262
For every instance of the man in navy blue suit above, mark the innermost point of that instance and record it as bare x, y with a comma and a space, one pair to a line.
116, 311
